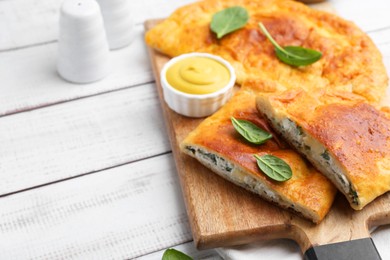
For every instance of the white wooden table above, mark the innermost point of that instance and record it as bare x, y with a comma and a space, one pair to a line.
86, 171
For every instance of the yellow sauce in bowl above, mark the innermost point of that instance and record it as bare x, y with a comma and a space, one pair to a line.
198, 75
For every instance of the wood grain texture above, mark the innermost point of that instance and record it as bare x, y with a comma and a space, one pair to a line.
381, 37
358, 11
223, 214
40, 84
121, 213
80, 137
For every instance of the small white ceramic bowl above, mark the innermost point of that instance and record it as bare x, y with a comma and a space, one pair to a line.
196, 105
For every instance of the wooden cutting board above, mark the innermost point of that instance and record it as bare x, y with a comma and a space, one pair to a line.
222, 214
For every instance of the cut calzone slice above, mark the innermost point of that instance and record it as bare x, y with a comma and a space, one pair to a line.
217, 145
346, 139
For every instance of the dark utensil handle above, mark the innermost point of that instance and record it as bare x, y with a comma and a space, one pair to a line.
359, 249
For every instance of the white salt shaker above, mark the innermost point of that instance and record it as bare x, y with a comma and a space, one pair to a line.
118, 22
83, 51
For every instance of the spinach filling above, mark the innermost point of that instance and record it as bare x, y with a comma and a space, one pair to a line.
325, 155
214, 159
191, 149
353, 194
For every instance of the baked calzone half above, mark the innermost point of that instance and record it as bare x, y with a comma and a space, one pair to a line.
350, 60
216, 144
345, 138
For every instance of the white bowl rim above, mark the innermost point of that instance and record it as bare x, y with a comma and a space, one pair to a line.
229, 85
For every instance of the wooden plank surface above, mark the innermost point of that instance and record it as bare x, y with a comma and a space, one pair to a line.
358, 11
42, 86
223, 214
80, 137
120, 213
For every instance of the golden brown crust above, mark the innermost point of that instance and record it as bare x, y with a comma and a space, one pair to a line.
355, 133
217, 135
350, 61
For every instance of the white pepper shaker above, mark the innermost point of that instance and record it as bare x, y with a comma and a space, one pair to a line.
118, 22
83, 51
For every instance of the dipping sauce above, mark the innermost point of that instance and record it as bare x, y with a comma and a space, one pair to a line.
197, 84
198, 75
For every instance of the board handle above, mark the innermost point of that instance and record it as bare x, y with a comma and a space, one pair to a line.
359, 249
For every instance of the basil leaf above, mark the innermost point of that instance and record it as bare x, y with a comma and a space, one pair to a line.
228, 20
302, 56
251, 132
293, 55
274, 167
173, 254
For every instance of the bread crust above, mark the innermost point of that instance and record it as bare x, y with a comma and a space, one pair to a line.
354, 135
350, 62
307, 192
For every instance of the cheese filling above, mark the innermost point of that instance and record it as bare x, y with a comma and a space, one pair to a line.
239, 177
317, 154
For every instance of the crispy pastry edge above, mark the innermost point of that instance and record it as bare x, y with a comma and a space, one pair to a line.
239, 176
325, 162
